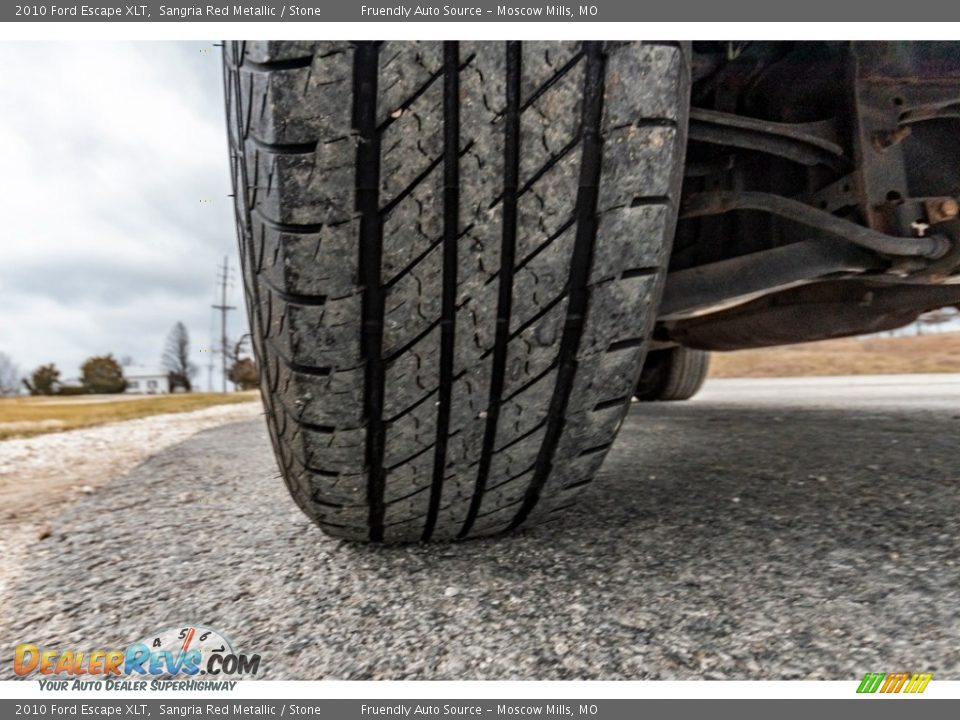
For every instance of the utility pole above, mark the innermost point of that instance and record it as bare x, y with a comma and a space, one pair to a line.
210, 354
224, 278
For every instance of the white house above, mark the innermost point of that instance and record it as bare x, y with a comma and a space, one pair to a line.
146, 381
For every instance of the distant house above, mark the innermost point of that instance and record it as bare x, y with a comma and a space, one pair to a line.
146, 381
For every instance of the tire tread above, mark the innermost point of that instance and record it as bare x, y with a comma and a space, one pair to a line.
453, 253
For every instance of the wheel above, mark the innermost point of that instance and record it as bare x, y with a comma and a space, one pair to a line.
674, 374
452, 254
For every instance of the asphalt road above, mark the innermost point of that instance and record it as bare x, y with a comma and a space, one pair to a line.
766, 530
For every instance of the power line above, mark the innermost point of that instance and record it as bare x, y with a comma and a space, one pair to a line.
223, 279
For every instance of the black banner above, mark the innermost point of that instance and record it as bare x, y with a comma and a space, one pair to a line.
478, 11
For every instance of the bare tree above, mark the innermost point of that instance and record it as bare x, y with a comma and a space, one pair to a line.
236, 352
243, 374
9, 376
176, 357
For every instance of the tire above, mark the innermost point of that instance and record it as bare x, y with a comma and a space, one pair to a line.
453, 253
674, 374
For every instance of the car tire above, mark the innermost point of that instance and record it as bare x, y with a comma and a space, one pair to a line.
673, 374
453, 254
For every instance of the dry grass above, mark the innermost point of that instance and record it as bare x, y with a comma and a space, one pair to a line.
936, 353
27, 416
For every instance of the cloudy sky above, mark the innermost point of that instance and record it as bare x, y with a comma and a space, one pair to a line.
108, 152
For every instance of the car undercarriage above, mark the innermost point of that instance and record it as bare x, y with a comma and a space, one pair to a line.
820, 194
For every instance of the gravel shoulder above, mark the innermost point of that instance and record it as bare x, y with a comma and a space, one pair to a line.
725, 539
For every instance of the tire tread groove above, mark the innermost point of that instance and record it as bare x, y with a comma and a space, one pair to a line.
511, 176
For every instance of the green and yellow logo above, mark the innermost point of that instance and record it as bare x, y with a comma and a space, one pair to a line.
895, 682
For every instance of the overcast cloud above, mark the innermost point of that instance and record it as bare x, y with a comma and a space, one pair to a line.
107, 151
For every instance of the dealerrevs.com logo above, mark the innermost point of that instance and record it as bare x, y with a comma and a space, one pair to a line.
169, 659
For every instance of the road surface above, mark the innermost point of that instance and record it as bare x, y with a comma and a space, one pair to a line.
769, 529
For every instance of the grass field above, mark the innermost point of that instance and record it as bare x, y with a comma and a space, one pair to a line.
934, 353
27, 416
